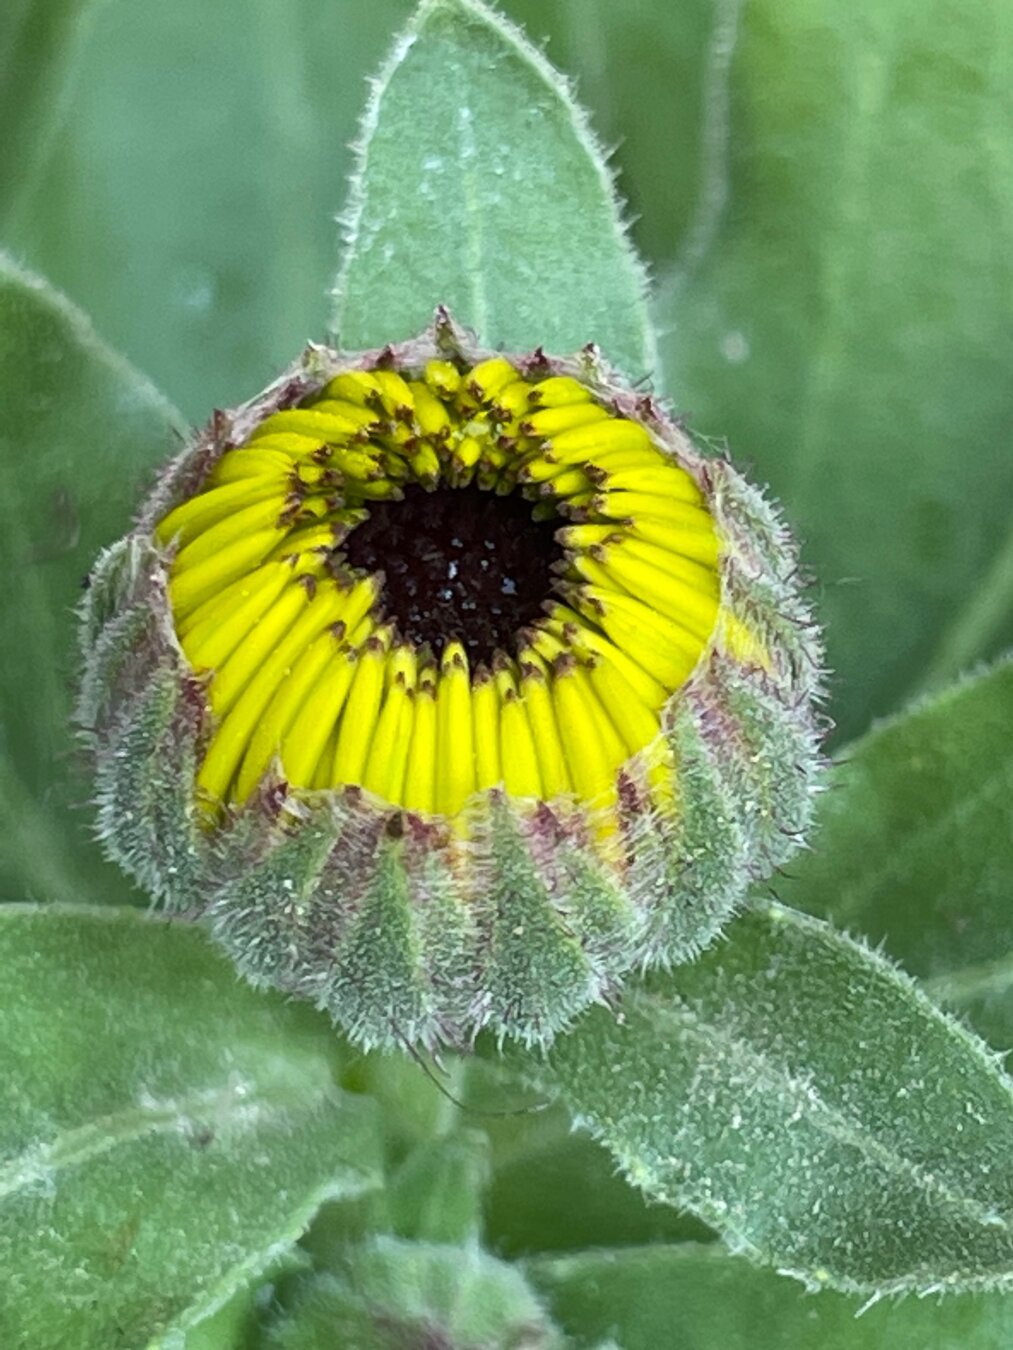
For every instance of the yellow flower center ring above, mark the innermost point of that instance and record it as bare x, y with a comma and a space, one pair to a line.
429, 583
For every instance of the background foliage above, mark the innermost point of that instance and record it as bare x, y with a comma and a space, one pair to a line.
824, 196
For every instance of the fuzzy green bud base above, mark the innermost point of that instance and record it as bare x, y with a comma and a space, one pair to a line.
518, 909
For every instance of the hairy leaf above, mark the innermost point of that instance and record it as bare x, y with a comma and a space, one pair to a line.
559, 1190
166, 1132
479, 186
435, 1194
80, 432
804, 1097
615, 53
721, 1302
389, 1294
844, 317
914, 846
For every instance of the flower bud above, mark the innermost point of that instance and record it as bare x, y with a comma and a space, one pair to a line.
448, 687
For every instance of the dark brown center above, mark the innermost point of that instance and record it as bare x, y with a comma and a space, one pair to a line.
458, 563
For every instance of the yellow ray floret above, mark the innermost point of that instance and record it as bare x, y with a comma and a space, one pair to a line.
420, 770
384, 769
310, 675
358, 718
485, 713
455, 755
518, 755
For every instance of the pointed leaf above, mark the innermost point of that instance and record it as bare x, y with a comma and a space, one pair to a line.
616, 54
435, 1194
844, 320
805, 1098
479, 186
165, 1132
80, 432
914, 846
721, 1302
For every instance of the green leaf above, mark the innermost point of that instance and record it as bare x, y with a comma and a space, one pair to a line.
480, 186
236, 1324
558, 1190
388, 1295
721, 1302
189, 201
38, 41
435, 1194
807, 1100
166, 1132
983, 625
620, 54
914, 849
81, 431
432, 1195
844, 319
267, 98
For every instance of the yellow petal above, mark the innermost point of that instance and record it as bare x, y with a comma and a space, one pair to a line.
291, 695
588, 443
489, 377
557, 391
305, 422
221, 506
306, 740
485, 717
553, 421
192, 587
358, 721
591, 768
356, 386
455, 753
384, 769
443, 378
541, 715
228, 621
420, 769
518, 757
251, 693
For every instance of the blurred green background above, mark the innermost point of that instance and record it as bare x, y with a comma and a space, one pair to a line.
824, 194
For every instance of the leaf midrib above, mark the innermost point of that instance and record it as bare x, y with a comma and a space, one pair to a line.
787, 1087
233, 1103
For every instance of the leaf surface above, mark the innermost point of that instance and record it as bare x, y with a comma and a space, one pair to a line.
721, 1302
556, 1189
38, 42
166, 1132
81, 432
914, 846
805, 1098
189, 200
479, 186
616, 54
845, 319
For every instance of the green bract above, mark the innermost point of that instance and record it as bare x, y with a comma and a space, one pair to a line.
421, 853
